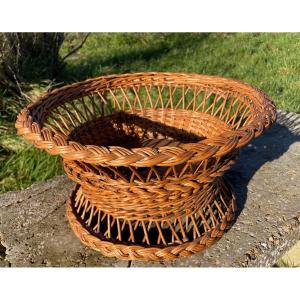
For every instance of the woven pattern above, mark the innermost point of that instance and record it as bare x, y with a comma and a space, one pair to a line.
180, 238
48, 121
148, 151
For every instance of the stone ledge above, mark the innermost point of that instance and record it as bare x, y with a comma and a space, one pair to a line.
34, 230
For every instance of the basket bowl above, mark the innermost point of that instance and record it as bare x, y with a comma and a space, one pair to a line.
49, 121
148, 150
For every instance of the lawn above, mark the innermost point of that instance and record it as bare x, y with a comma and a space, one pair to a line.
270, 61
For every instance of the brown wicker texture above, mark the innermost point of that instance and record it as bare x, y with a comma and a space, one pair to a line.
148, 152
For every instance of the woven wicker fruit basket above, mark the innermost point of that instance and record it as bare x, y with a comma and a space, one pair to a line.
148, 152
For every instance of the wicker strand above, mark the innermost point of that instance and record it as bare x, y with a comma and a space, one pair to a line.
136, 252
148, 152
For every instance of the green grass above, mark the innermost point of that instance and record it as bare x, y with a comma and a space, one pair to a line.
285, 263
270, 61
26, 166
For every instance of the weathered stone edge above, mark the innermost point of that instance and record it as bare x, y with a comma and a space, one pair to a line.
268, 253
288, 234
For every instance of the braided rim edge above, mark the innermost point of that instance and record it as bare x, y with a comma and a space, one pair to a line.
55, 144
124, 252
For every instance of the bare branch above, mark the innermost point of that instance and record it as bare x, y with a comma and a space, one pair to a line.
76, 48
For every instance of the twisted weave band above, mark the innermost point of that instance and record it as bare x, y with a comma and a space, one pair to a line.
125, 251
156, 200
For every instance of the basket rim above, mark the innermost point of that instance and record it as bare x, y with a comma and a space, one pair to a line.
53, 143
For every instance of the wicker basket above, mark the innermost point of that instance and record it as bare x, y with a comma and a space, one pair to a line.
148, 151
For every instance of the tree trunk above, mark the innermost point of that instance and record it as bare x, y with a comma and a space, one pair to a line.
27, 56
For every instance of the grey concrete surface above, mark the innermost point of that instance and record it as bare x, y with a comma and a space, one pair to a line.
34, 230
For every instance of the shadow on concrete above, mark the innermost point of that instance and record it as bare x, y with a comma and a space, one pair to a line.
270, 146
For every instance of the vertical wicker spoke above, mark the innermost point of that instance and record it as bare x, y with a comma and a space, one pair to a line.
191, 104
131, 237
148, 229
195, 227
169, 103
211, 106
97, 226
220, 104
125, 101
243, 118
201, 105
151, 232
160, 234
119, 237
72, 117
206, 224
136, 224
230, 109
89, 221
236, 113
135, 174
137, 102
174, 234
116, 103
57, 125
149, 98
149, 176
158, 177
145, 233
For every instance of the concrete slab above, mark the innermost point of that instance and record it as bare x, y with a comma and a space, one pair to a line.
34, 230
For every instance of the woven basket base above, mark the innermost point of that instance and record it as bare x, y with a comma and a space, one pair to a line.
130, 251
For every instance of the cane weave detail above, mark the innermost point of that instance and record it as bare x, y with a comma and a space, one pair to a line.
148, 152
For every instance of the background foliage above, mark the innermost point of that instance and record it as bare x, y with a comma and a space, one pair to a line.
270, 61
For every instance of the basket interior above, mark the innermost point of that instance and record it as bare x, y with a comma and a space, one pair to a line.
157, 103
138, 115
149, 128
